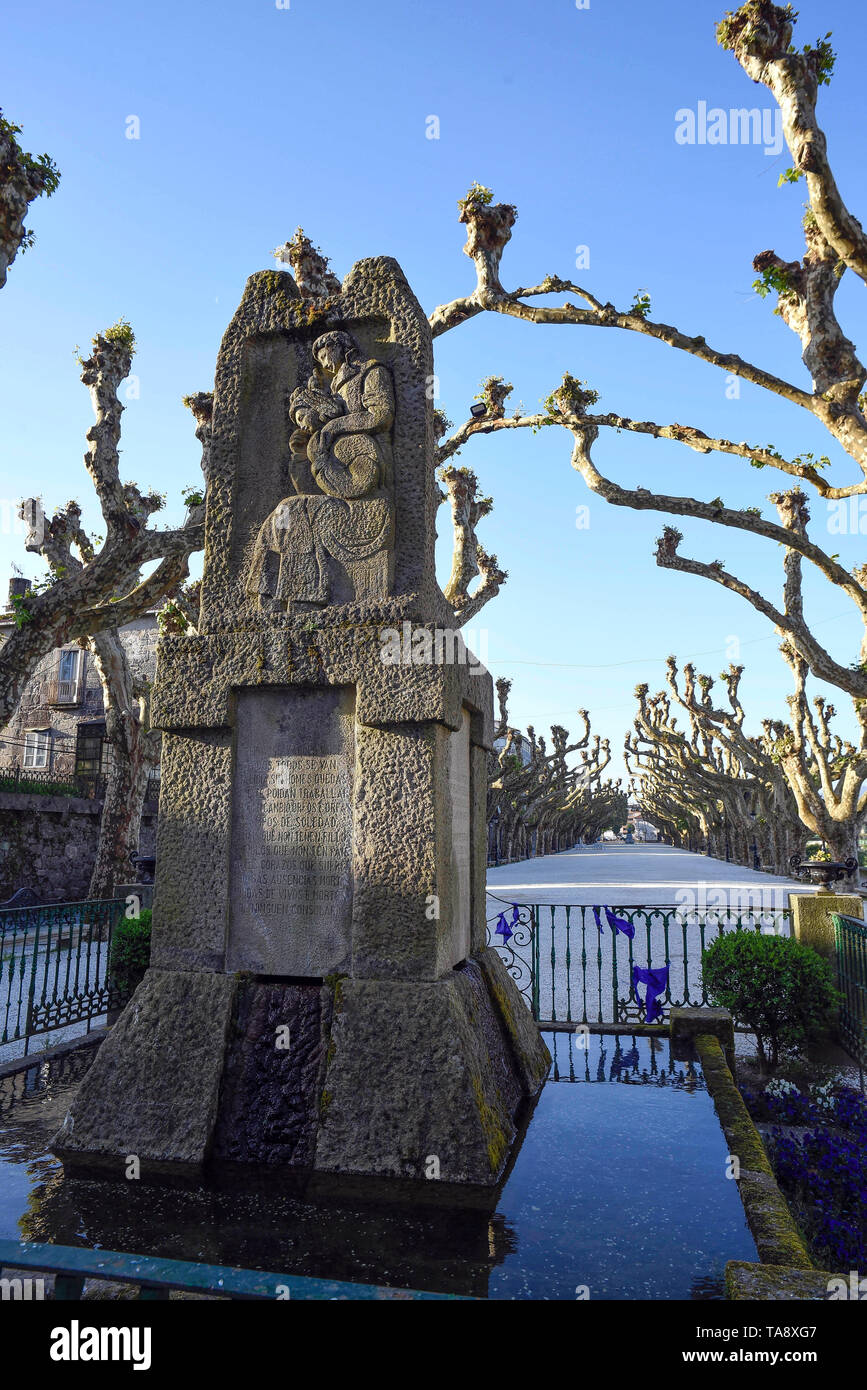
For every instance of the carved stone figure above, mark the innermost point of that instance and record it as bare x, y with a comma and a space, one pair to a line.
332, 540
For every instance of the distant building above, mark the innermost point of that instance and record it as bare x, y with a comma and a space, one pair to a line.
643, 830
54, 759
58, 731
521, 747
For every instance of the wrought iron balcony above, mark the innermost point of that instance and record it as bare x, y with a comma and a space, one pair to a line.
66, 692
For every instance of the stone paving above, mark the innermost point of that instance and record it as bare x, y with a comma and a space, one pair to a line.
640, 875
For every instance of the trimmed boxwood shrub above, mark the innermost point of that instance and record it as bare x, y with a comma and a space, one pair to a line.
776, 986
130, 951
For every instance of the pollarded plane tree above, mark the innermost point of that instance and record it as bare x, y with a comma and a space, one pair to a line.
537, 801
700, 773
469, 557
669, 773
770, 815
759, 34
91, 585
518, 775
94, 587
134, 746
607, 811
809, 778
672, 821
571, 795
826, 772
94, 583
23, 178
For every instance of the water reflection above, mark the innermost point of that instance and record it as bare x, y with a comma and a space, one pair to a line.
619, 1185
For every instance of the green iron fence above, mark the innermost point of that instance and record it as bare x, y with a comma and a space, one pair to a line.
155, 1278
17, 779
54, 967
851, 940
570, 972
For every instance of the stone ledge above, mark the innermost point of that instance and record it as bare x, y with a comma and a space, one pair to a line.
773, 1227
196, 677
776, 1283
686, 1024
52, 1054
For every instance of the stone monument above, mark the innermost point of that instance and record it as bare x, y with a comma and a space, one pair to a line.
320, 998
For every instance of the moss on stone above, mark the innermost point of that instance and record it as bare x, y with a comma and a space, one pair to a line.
504, 1004
496, 1139
335, 983
743, 1137
775, 1282
270, 282
300, 313
778, 1240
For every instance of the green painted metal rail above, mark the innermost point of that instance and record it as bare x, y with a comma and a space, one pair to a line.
851, 942
14, 779
54, 967
569, 971
157, 1277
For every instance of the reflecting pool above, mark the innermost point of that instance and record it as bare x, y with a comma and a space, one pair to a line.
618, 1191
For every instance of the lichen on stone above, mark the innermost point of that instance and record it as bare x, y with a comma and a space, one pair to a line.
496, 1140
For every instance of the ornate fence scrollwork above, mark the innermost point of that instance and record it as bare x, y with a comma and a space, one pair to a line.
511, 932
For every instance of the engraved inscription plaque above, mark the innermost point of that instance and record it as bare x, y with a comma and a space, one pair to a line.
291, 885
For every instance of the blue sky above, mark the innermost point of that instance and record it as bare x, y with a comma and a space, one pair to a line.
255, 119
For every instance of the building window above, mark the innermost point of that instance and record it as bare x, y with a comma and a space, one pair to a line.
69, 667
89, 741
36, 748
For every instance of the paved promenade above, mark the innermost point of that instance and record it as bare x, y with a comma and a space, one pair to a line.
583, 967
640, 875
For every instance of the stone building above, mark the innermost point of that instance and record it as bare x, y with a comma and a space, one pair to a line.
54, 759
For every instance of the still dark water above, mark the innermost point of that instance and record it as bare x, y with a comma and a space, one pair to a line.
619, 1188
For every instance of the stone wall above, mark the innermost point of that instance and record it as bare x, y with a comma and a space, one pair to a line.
49, 843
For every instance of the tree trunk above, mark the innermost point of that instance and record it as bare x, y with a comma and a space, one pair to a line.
131, 748
843, 844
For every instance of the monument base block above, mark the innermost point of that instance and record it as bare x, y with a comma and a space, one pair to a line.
426, 1079
153, 1089
364, 1077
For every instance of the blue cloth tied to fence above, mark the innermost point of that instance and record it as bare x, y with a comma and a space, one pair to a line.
657, 983
502, 928
620, 924
617, 924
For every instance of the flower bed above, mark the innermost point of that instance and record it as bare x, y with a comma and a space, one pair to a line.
817, 1144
